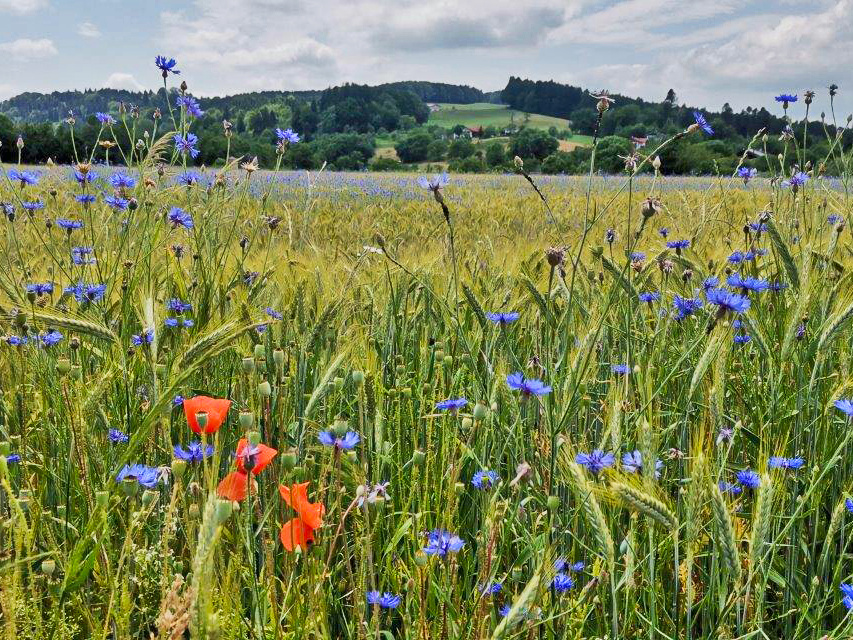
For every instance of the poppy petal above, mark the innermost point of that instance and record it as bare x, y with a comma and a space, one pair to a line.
262, 458
215, 408
296, 533
234, 486
296, 496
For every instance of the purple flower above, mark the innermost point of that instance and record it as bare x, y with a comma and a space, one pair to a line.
797, 180
649, 296
121, 180
40, 288
383, 600
702, 123
754, 285
13, 457
435, 183
485, 479
678, 245
24, 177
146, 337
786, 98
847, 595
68, 225
747, 173
728, 487
288, 135
186, 144
451, 404
686, 306
633, 462
562, 582
845, 405
166, 65
146, 476
191, 105
595, 461
105, 119
117, 436
664, 232
778, 462
749, 479
117, 203
194, 452
440, 542
529, 387
179, 218
728, 301
50, 338
176, 305
348, 441
621, 369
86, 198
502, 318
742, 338
83, 292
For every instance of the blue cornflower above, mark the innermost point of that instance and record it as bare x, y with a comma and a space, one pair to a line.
728, 487
747, 173
485, 479
166, 65
849, 504
287, 135
86, 198
562, 582
845, 405
32, 206
833, 218
146, 337
272, 313
85, 178
728, 301
384, 600
638, 256
758, 227
50, 338
188, 178
191, 105
24, 177
561, 564
736, 258
847, 595
82, 256
778, 462
119, 437
179, 218
529, 387
749, 479
451, 404
178, 400
121, 180
440, 542
686, 306
116, 202
786, 98
778, 287
178, 322
194, 452
797, 180
435, 183
105, 119
595, 461
711, 282
678, 245
84, 292
348, 441
610, 236
40, 288
146, 476
632, 462
491, 589
13, 457
176, 305
620, 369
664, 232
702, 123
755, 285
186, 144
68, 225
742, 338
649, 296
502, 318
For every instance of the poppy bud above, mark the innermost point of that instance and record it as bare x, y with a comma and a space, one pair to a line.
193, 511
149, 498
260, 352
76, 372
418, 458
278, 358
130, 486
265, 389
179, 467
467, 422
448, 361
102, 499
553, 503
248, 365
48, 567
288, 459
246, 420
201, 419
358, 378
421, 558
439, 354
223, 510
406, 391
480, 411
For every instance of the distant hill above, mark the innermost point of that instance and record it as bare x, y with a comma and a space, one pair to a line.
484, 114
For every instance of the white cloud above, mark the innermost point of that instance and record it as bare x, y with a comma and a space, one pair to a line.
22, 6
7, 91
119, 80
88, 30
26, 49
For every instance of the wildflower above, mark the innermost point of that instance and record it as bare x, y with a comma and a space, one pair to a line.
610, 236
528, 387
116, 202
288, 135
620, 369
24, 177
254, 458
188, 178
16, 341
178, 400
502, 318
121, 180
383, 600
83, 292
848, 503
787, 134
725, 435
179, 218
785, 99
86, 198
638, 256
604, 101
847, 597
678, 245
32, 206
711, 282
736, 258
194, 452
633, 462
272, 313
595, 461
664, 232
178, 322
85, 177
845, 405
176, 305
742, 338
435, 183
299, 531
68, 225
749, 479
50, 338
728, 301
649, 296
440, 542
686, 306
82, 256
727, 487
191, 105
166, 65
758, 227
12, 458
105, 119
40, 288
561, 564
833, 218
702, 123
186, 144
485, 479
451, 404
147, 477
372, 494
348, 441
214, 409
491, 589
754, 285
146, 337
747, 173
562, 582
796, 180
778, 462
117, 436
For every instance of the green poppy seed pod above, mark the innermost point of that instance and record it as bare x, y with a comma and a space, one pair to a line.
288, 459
278, 357
223, 510
246, 420
392, 392
63, 366
480, 411
467, 422
31, 296
406, 391
149, 498
48, 567
418, 457
160, 369
179, 468
516, 574
248, 365
426, 388
265, 389
60, 512
76, 372
421, 558
340, 427
193, 511
254, 438
5, 449
339, 383
553, 503
102, 499
201, 419
636, 369
400, 369
357, 378
459, 487
130, 487
260, 352
448, 361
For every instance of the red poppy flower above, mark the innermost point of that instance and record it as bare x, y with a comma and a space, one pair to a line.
300, 530
261, 455
235, 486
215, 408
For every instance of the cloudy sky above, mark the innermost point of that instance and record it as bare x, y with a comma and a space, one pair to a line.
710, 52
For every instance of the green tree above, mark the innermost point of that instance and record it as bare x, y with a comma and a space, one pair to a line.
533, 143
414, 147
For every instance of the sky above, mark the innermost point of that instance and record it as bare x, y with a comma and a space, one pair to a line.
742, 52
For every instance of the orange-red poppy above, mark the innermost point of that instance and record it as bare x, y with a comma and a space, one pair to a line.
235, 486
262, 456
215, 408
300, 530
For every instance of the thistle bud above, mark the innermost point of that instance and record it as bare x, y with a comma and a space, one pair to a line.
656, 163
